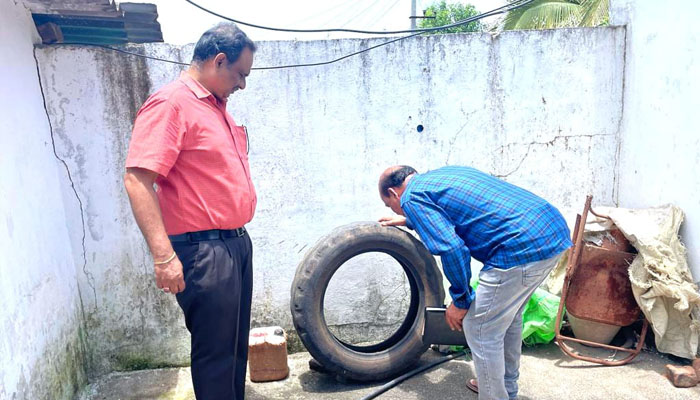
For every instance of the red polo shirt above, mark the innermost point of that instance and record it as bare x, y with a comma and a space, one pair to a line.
183, 133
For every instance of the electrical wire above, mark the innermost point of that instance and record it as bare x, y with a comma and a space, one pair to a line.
333, 9
419, 32
340, 13
409, 374
361, 12
384, 13
118, 50
496, 11
507, 7
316, 64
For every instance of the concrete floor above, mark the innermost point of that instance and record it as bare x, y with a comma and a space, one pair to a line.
546, 373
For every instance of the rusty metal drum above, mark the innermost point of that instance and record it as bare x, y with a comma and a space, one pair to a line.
600, 288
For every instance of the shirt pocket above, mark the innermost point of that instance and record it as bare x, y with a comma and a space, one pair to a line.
240, 134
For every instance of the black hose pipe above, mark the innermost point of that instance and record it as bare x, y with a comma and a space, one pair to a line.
409, 374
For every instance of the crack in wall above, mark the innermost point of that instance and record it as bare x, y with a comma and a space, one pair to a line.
457, 135
453, 141
380, 303
496, 91
549, 143
519, 164
618, 134
90, 278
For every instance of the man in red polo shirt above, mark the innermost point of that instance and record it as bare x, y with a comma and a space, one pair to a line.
186, 143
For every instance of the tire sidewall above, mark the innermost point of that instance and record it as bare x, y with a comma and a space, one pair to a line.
314, 274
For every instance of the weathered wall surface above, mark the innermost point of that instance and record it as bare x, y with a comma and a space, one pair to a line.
659, 137
41, 352
540, 109
92, 97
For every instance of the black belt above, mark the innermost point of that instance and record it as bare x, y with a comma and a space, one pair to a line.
212, 234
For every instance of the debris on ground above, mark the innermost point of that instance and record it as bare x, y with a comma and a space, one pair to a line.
681, 376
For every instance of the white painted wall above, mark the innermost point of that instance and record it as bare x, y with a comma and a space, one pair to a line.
41, 354
92, 97
541, 109
659, 159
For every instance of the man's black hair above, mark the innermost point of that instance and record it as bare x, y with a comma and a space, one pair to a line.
225, 38
395, 179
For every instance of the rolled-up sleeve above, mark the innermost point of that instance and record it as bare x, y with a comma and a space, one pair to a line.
157, 137
438, 233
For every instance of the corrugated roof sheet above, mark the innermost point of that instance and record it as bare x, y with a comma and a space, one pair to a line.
95, 21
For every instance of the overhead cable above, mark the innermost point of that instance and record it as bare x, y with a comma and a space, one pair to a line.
505, 8
499, 10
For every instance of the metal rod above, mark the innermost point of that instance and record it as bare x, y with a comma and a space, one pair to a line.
560, 312
561, 341
600, 215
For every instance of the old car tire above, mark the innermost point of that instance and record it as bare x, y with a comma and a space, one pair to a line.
395, 354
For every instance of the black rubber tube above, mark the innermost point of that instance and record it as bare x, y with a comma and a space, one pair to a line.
409, 374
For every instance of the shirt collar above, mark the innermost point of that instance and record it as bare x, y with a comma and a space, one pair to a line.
196, 87
404, 195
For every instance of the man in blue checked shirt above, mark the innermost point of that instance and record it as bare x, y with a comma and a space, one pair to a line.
459, 213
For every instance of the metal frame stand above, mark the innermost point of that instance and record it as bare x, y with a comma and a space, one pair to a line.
572, 265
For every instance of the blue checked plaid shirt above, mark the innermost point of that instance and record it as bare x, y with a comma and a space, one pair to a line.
460, 212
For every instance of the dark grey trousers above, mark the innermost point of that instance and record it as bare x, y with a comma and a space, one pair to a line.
216, 303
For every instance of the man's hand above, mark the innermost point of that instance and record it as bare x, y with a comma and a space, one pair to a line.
144, 203
396, 220
454, 316
169, 276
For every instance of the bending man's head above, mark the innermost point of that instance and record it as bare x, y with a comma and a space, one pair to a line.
392, 183
223, 57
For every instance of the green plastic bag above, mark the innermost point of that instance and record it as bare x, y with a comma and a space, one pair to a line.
539, 316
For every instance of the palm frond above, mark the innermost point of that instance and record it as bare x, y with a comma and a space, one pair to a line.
545, 14
596, 12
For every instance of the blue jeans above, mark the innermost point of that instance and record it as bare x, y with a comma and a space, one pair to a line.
493, 326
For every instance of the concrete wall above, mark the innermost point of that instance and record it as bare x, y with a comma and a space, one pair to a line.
660, 143
92, 97
41, 347
540, 109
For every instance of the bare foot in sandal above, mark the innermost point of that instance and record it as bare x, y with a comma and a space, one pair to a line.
473, 385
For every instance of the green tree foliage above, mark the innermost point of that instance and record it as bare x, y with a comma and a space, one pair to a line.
547, 14
446, 14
